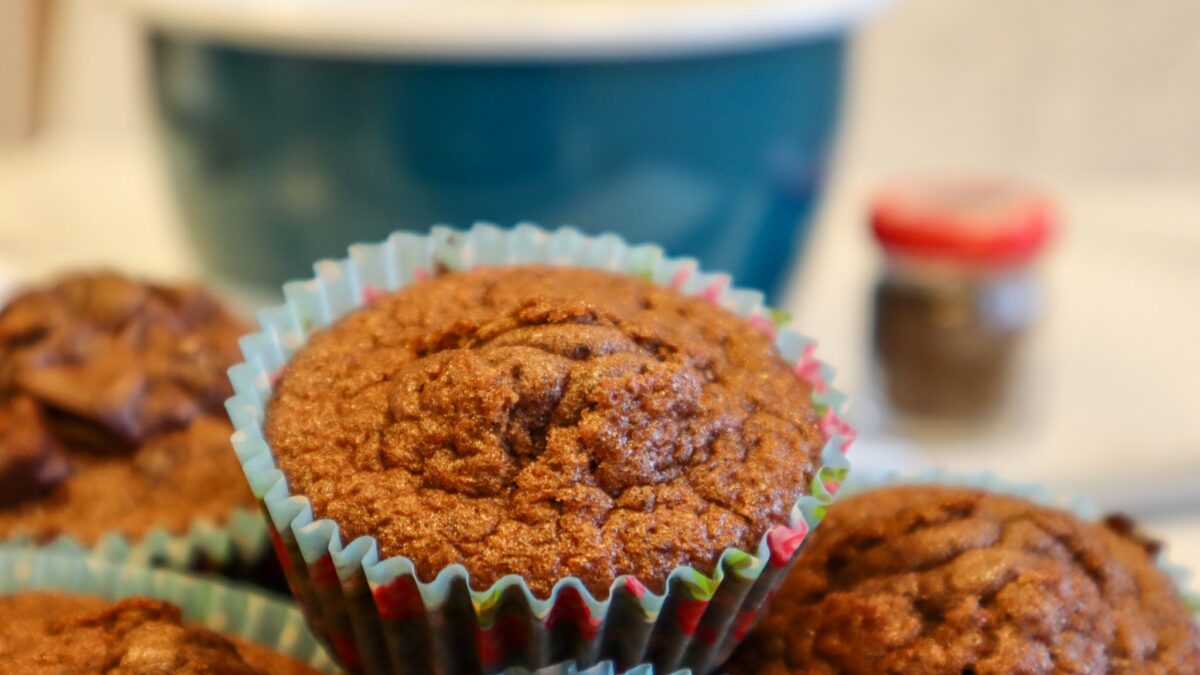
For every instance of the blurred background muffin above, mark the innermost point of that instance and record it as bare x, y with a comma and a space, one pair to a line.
111, 411
931, 579
65, 613
47, 632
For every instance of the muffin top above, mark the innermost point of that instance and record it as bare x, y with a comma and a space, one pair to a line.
123, 360
947, 580
52, 633
105, 381
546, 422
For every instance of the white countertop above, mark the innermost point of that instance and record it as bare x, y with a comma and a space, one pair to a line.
1113, 402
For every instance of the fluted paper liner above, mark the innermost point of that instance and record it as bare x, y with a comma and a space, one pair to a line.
378, 617
241, 539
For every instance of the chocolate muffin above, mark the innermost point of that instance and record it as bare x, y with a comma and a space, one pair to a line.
546, 422
937, 580
111, 418
51, 633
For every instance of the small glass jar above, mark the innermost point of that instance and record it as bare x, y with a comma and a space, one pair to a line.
956, 293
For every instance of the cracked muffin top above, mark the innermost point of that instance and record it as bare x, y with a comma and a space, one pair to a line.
546, 422
51, 633
111, 409
947, 580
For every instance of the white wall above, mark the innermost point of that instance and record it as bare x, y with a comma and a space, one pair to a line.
94, 70
1086, 88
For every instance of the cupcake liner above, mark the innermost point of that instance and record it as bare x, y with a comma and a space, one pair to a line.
1034, 492
605, 668
241, 540
228, 608
378, 617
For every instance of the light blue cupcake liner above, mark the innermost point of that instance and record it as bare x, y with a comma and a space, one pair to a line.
241, 539
378, 616
605, 668
1082, 507
228, 608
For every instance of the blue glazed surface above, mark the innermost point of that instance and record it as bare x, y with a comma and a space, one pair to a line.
279, 159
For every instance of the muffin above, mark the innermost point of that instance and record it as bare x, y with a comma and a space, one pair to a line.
546, 422
925, 579
51, 632
111, 418
493, 449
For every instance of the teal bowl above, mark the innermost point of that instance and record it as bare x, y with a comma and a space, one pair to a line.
293, 129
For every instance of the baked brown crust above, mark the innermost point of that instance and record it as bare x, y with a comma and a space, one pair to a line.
935, 580
167, 482
31, 460
545, 422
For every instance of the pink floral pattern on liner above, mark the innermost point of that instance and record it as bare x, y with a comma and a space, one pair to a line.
809, 368
509, 633
743, 622
763, 324
680, 278
570, 608
324, 573
784, 541
688, 614
399, 599
285, 559
712, 292
635, 588
371, 294
832, 486
832, 425
487, 646
346, 650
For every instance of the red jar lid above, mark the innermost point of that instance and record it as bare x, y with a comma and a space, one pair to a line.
970, 220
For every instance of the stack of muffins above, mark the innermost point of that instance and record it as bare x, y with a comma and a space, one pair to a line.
113, 440
516, 464
110, 410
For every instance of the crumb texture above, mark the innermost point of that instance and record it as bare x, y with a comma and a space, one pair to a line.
946, 580
545, 422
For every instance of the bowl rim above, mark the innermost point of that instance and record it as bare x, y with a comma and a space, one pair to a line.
495, 29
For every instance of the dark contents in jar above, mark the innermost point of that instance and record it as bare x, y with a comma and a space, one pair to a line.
939, 353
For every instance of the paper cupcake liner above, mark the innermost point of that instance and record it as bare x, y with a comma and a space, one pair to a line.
605, 668
379, 617
242, 540
228, 608
1082, 507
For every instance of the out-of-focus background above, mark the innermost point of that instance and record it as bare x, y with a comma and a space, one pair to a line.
1096, 101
